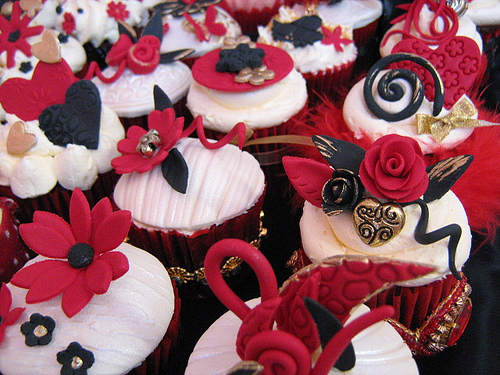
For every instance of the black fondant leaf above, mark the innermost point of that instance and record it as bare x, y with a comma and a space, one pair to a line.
339, 154
246, 368
162, 101
78, 120
125, 29
328, 325
175, 171
173, 56
300, 33
154, 26
444, 174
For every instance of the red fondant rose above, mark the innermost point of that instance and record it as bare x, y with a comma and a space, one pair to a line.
144, 56
393, 168
119, 51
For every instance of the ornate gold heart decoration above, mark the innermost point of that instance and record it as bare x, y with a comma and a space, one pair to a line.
377, 223
18, 141
49, 49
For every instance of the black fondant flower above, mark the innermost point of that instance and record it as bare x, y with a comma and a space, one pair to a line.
236, 59
75, 360
300, 33
38, 330
342, 192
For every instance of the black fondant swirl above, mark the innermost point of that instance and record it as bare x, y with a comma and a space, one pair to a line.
391, 91
454, 231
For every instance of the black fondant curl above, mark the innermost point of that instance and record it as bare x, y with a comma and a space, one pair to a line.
391, 91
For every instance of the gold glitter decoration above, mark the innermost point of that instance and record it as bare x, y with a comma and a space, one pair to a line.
40, 331
254, 76
231, 43
76, 363
149, 143
377, 223
460, 117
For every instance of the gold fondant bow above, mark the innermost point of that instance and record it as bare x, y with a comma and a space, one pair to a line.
460, 117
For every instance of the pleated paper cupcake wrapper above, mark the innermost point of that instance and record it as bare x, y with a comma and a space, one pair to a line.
57, 200
365, 34
250, 19
327, 82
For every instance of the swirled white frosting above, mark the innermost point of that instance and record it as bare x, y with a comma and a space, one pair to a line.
365, 124
121, 327
354, 13
262, 108
379, 348
222, 184
324, 236
484, 12
180, 35
313, 57
131, 95
466, 28
39, 170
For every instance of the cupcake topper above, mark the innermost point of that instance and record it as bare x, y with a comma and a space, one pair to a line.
295, 341
208, 27
178, 8
391, 169
49, 49
143, 150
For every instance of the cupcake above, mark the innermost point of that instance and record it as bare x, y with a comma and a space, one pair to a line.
44, 155
112, 312
486, 16
251, 84
246, 335
135, 67
384, 202
253, 13
197, 25
323, 52
186, 193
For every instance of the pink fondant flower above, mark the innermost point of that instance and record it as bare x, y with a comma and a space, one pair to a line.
118, 11
13, 34
169, 130
81, 262
7, 316
394, 169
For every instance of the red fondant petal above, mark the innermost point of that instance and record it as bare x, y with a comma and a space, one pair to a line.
55, 222
128, 146
5, 300
99, 212
26, 276
128, 163
118, 262
79, 214
44, 240
76, 297
51, 283
307, 177
112, 231
98, 276
13, 316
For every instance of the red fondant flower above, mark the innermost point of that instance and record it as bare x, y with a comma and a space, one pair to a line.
394, 169
7, 316
13, 34
118, 11
169, 130
144, 56
119, 51
335, 37
84, 264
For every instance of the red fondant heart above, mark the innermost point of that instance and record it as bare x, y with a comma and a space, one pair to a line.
28, 98
457, 61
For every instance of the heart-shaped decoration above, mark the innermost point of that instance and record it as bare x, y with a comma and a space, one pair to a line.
31, 7
49, 49
458, 62
18, 141
78, 120
377, 223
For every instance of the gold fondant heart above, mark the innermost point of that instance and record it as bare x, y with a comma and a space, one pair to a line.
377, 223
49, 49
18, 141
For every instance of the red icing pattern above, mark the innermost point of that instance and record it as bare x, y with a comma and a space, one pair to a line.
458, 61
205, 74
7, 316
28, 98
203, 30
51, 236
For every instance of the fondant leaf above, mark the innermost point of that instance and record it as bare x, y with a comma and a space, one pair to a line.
154, 26
169, 57
328, 325
162, 101
307, 177
444, 174
123, 28
175, 171
339, 154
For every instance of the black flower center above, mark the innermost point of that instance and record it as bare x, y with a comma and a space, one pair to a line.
80, 255
14, 36
1, 320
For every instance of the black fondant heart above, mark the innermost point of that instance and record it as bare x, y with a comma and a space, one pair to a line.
78, 120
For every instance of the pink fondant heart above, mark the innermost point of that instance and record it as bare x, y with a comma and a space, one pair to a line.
28, 98
457, 61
